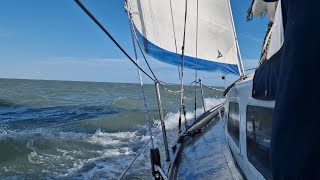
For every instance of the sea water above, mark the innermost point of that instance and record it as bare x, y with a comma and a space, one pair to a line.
85, 130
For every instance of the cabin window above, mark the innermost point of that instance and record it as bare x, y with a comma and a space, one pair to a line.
259, 123
234, 122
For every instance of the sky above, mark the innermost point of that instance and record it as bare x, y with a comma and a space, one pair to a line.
56, 40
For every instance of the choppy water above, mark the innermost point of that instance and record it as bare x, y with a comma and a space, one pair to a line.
82, 130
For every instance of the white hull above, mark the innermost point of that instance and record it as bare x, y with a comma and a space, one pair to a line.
241, 94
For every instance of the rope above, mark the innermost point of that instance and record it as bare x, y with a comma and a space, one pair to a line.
195, 96
110, 36
222, 90
163, 82
214, 77
171, 91
155, 28
149, 67
174, 35
266, 42
197, 24
182, 65
249, 12
198, 82
196, 73
140, 79
145, 59
137, 155
140, 48
201, 87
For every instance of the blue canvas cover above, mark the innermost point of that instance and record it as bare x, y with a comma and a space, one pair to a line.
266, 78
295, 143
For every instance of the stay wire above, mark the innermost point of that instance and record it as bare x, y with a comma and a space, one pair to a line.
174, 36
140, 78
217, 89
171, 91
111, 37
182, 106
137, 155
142, 53
196, 73
195, 96
149, 67
145, 59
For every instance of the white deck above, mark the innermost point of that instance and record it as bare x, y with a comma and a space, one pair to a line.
207, 156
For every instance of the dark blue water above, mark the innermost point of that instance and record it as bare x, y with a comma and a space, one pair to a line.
82, 130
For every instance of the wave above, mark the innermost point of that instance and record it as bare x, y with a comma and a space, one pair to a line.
51, 152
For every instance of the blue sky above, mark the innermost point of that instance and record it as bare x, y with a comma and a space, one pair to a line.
55, 40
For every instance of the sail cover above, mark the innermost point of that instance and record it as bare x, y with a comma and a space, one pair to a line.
210, 42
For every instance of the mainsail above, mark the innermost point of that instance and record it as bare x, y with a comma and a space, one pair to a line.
210, 42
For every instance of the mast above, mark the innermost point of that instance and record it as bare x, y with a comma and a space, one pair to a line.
240, 64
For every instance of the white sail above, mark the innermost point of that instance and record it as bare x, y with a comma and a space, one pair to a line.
209, 46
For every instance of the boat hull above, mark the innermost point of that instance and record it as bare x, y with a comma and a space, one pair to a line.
238, 130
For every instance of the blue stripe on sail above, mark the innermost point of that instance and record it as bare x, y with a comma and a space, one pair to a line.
189, 62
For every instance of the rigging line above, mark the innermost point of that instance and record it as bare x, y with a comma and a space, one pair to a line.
140, 48
140, 79
214, 77
240, 63
174, 35
110, 36
182, 107
171, 91
173, 28
197, 82
167, 83
167, 89
217, 89
145, 59
196, 73
179, 72
192, 83
155, 28
197, 29
138, 154
265, 44
195, 96
249, 12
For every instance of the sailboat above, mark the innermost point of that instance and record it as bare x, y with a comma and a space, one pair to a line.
201, 35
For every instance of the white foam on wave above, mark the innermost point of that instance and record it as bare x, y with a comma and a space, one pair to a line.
46, 133
172, 119
99, 137
124, 156
104, 138
117, 151
89, 168
171, 123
